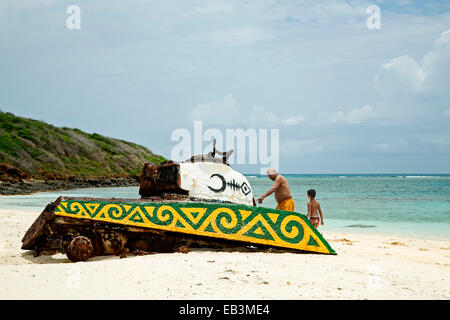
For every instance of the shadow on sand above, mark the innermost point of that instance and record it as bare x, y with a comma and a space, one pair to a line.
61, 258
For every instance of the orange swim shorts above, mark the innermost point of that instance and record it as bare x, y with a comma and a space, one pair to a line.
286, 205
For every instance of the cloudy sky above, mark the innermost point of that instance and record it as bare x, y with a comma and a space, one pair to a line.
345, 98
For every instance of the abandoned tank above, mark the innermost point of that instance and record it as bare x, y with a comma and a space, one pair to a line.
201, 202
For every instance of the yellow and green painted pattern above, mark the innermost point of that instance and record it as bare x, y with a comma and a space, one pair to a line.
226, 221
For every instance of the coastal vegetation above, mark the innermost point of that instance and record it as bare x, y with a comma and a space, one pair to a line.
40, 150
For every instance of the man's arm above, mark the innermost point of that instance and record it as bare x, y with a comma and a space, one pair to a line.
308, 215
320, 213
274, 188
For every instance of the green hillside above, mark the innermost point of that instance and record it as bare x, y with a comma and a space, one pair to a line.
39, 148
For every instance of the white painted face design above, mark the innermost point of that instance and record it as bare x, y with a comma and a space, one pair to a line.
215, 181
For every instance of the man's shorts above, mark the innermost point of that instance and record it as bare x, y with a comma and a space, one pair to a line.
286, 205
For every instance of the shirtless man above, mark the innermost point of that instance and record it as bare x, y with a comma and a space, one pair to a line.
281, 189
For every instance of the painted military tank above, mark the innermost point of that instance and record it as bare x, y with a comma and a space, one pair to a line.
199, 203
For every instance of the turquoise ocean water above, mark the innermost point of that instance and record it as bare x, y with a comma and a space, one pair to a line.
397, 205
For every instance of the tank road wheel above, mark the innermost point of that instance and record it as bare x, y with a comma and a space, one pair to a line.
80, 249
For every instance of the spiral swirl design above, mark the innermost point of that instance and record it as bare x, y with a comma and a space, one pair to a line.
291, 230
114, 211
226, 220
165, 215
77, 208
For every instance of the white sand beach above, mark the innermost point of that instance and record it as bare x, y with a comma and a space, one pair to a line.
366, 267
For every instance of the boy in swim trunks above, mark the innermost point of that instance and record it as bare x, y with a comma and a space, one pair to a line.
314, 211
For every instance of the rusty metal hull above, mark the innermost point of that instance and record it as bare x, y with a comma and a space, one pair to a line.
161, 179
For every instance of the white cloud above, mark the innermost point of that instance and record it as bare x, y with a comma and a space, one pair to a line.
218, 111
355, 116
400, 75
404, 75
259, 116
294, 120
226, 112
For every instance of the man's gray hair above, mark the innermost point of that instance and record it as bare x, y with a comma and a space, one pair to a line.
271, 172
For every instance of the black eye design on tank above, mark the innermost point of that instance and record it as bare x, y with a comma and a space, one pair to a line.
230, 184
245, 188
